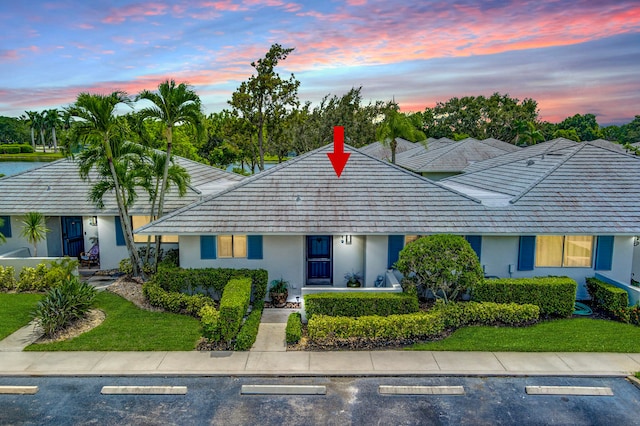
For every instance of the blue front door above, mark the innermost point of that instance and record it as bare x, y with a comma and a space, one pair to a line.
72, 238
319, 259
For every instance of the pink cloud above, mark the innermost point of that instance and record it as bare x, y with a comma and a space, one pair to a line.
85, 26
135, 12
9, 55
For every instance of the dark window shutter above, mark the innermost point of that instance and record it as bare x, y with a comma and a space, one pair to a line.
207, 247
5, 229
396, 243
119, 234
475, 241
604, 253
526, 253
254, 247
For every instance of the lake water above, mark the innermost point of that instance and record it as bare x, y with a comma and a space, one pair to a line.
9, 168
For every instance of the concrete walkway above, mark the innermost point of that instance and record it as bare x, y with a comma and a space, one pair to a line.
347, 363
270, 357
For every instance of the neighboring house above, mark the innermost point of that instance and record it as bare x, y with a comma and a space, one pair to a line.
442, 158
383, 152
567, 211
574, 210
57, 191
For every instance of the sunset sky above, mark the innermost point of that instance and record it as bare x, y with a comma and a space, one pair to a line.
576, 56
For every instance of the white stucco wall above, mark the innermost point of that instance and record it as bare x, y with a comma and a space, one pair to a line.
348, 258
16, 241
283, 257
110, 253
376, 256
500, 252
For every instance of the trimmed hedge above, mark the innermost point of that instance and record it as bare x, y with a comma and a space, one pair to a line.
293, 331
173, 301
249, 330
327, 330
358, 304
233, 306
554, 295
612, 299
210, 322
210, 280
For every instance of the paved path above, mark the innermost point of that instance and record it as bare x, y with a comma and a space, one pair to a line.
271, 334
346, 363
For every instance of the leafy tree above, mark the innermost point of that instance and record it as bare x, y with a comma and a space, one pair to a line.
264, 98
444, 264
96, 123
585, 126
630, 132
217, 149
34, 229
13, 130
479, 117
173, 105
396, 125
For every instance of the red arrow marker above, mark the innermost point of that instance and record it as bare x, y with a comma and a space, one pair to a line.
338, 157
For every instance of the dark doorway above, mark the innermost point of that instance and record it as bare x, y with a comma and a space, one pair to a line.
72, 236
319, 259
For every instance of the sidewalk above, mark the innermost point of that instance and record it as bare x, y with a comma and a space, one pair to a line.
347, 363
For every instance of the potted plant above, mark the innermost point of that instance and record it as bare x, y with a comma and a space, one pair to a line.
279, 292
354, 279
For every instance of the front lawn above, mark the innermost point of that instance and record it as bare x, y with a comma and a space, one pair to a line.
128, 328
563, 335
15, 311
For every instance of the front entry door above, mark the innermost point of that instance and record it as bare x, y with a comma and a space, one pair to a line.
319, 259
72, 238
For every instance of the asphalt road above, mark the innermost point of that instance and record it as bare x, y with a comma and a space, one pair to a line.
348, 401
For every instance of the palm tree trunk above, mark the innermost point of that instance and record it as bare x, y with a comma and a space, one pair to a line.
55, 140
44, 147
153, 210
394, 146
33, 140
164, 187
124, 217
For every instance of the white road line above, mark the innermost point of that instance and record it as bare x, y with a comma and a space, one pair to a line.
283, 390
18, 390
144, 390
421, 390
569, 390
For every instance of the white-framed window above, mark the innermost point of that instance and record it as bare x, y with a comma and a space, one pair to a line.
564, 251
232, 246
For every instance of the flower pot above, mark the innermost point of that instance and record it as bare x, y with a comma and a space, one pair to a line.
279, 300
353, 284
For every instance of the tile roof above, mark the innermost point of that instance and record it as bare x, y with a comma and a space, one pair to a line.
583, 187
382, 152
304, 196
449, 156
56, 189
575, 189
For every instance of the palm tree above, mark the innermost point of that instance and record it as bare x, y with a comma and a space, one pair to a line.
34, 229
52, 120
177, 175
40, 123
173, 105
527, 132
97, 124
31, 119
396, 125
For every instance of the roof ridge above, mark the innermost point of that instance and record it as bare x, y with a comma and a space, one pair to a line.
577, 149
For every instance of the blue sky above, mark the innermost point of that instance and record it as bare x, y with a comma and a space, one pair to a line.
571, 56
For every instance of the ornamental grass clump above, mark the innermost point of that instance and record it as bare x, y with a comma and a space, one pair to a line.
64, 304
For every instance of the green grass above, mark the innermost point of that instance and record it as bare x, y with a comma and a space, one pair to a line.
128, 328
35, 156
563, 335
15, 311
